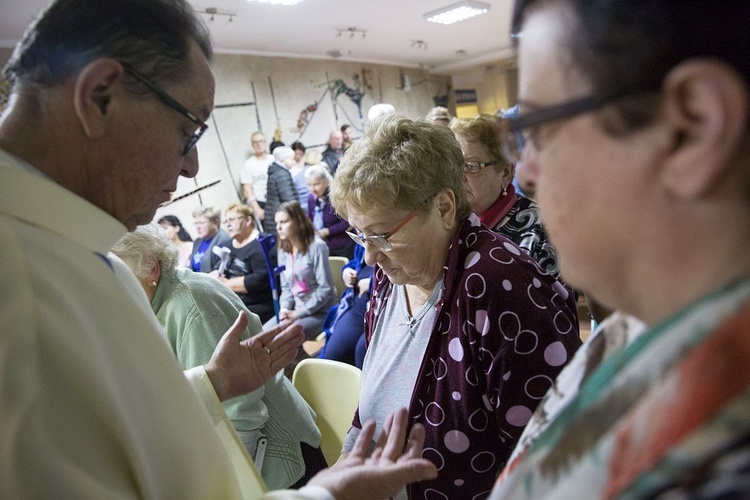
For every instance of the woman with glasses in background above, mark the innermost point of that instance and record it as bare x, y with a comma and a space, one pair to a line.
328, 225
207, 220
307, 290
463, 328
241, 266
488, 178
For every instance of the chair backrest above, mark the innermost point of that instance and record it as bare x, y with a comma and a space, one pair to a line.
331, 388
337, 263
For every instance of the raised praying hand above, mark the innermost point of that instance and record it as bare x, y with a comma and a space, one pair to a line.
241, 366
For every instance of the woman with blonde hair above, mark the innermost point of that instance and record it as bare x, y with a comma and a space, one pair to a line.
241, 265
463, 328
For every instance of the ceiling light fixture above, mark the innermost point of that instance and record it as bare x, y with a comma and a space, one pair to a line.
212, 12
351, 31
457, 12
278, 2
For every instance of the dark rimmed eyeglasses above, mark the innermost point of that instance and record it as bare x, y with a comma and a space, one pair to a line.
172, 103
527, 124
380, 242
474, 167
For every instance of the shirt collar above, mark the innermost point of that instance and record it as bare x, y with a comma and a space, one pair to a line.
29, 195
500, 208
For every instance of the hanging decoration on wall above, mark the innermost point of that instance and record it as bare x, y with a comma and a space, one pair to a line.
442, 95
404, 81
355, 94
277, 133
254, 104
193, 191
336, 88
305, 116
367, 78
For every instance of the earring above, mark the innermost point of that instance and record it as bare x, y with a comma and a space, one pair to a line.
154, 283
505, 191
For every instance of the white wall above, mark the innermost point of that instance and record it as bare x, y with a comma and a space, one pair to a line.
297, 84
496, 85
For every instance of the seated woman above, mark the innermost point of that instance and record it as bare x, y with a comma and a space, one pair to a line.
307, 290
328, 225
345, 326
244, 268
180, 237
463, 328
195, 311
488, 179
207, 220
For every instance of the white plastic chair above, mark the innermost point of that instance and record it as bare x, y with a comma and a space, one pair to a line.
331, 388
337, 263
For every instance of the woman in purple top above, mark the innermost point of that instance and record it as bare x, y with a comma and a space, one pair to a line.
463, 328
328, 225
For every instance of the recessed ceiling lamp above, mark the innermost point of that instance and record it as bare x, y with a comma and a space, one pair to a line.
278, 2
457, 12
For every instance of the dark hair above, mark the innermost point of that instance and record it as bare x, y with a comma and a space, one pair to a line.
173, 221
640, 41
296, 145
150, 36
302, 225
274, 145
343, 128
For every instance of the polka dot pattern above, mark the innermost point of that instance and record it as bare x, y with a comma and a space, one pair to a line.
504, 329
456, 441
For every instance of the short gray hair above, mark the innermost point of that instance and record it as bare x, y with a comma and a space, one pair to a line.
399, 163
144, 247
210, 212
319, 171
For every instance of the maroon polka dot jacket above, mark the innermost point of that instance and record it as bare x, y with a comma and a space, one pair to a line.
504, 330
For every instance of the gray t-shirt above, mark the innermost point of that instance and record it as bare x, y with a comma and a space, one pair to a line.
393, 359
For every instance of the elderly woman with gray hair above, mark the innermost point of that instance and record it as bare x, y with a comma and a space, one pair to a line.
463, 327
327, 224
274, 423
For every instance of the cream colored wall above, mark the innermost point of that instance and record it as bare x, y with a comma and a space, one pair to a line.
296, 84
495, 85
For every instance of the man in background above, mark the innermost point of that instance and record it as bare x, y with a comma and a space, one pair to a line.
254, 175
346, 133
333, 152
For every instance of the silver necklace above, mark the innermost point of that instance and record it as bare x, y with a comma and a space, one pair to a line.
412, 322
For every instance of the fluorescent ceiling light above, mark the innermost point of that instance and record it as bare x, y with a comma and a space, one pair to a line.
278, 2
457, 12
